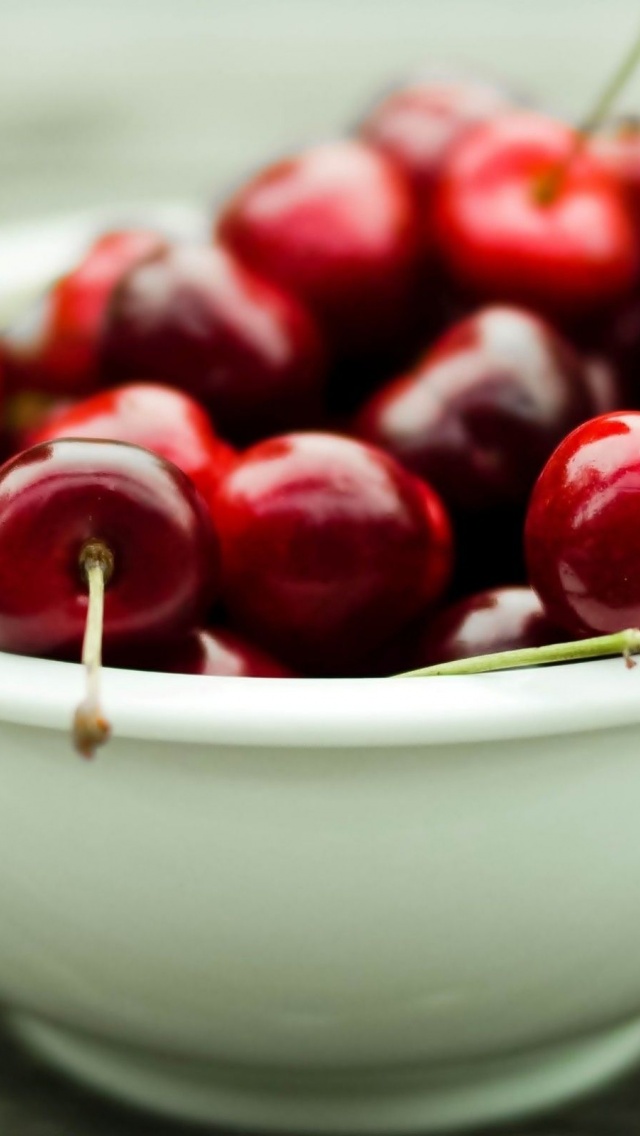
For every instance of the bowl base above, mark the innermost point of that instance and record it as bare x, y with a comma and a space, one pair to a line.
405, 1101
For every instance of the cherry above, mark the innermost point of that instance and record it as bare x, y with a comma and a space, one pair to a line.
55, 345
498, 619
328, 548
77, 517
618, 148
418, 123
480, 412
615, 335
155, 417
338, 225
526, 214
195, 317
211, 652
582, 532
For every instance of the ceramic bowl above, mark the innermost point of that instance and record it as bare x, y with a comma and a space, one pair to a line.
321, 906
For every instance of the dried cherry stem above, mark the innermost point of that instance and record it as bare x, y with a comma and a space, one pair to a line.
90, 728
549, 184
624, 643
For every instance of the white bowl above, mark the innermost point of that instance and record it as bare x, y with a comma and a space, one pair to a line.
322, 906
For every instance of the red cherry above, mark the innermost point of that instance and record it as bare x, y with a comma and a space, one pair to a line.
211, 652
158, 418
338, 225
525, 214
195, 317
498, 619
55, 345
618, 148
418, 123
582, 533
328, 548
58, 499
480, 413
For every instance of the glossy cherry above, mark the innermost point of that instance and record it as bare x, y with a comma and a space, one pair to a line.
58, 498
211, 651
582, 532
196, 318
158, 418
481, 412
328, 548
526, 214
498, 619
418, 123
339, 226
55, 345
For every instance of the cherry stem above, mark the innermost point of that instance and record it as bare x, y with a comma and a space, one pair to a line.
612, 89
549, 184
625, 643
90, 727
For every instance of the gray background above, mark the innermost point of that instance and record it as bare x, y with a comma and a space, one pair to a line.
155, 100
140, 100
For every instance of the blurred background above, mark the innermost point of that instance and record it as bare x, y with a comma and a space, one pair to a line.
141, 100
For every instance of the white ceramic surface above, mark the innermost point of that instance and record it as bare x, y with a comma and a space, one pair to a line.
322, 906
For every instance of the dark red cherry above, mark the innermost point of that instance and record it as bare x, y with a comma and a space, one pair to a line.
339, 226
328, 548
615, 336
55, 345
211, 652
617, 147
417, 124
158, 418
481, 412
196, 318
59, 499
498, 619
582, 532
525, 214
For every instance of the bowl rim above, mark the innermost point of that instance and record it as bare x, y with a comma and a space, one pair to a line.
308, 713
329, 713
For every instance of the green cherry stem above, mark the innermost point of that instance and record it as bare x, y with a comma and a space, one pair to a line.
625, 643
549, 184
612, 89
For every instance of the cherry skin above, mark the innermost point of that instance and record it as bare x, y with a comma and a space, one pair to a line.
158, 418
60, 497
481, 412
618, 148
498, 619
525, 215
196, 318
339, 226
328, 549
582, 533
214, 652
55, 345
418, 123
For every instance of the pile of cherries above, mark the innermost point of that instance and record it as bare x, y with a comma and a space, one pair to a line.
312, 445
